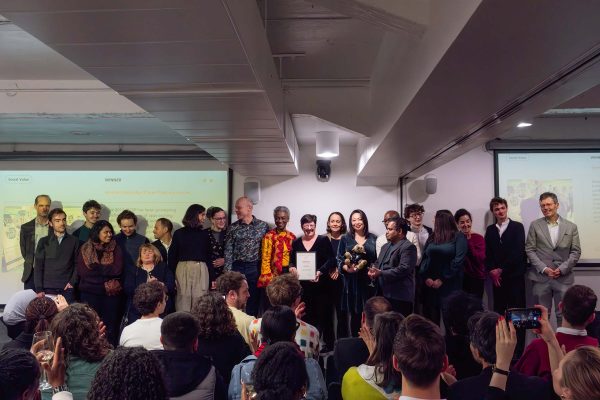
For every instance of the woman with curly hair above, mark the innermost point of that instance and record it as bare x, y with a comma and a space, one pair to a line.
84, 347
129, 373
38, 315
279, 373
100, 268
218, 336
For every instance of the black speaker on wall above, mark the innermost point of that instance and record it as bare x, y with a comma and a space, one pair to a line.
323, 170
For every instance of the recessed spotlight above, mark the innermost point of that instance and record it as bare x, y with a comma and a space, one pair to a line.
523, 125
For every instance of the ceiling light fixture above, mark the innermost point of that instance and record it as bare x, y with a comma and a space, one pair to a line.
523, 125
328, 144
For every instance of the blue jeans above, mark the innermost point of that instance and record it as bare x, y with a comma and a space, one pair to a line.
250, 271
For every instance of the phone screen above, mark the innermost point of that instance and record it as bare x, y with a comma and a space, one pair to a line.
524, 318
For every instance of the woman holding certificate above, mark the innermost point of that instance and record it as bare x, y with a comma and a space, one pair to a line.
312, 259
357, 289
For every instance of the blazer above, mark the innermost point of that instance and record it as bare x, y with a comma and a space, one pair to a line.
508, 252
397, 263
162, 250
542, 253
27, 243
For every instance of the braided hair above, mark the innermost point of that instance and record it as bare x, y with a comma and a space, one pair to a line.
39, 313
129, 373
280, 373
19, 372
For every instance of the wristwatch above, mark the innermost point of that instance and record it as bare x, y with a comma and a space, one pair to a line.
499, 371
60, 388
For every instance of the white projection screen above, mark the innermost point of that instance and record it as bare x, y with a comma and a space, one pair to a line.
151, 189
574, 176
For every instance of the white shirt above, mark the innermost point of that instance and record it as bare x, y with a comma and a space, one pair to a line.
502, 227
422, 236
14, 312
166, 245
143, 332
571, 331
414, 398
553, 230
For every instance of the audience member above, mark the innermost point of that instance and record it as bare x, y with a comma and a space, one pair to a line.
242, 248
352, 352
457, 310
129, 373
128, 239
420, 356
336, 227
233, 287
316, 294
285, 290
482, 328
100, 269
30, 235
14, 311
578, 309
163, 233
442, 264
410, 235
279, 373
189, 258
278, 325
394, 270
276, 248
54, 271
148, 268
218, 337
150, 300
38, 315
216, 236
188, 375
474, 266
553, 250
84, 347
377, 378
356, 282
91, 213
19, 375
414, 214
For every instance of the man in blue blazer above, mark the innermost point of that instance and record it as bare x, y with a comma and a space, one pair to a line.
395, 267
553, 249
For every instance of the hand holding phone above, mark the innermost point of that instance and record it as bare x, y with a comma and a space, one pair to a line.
524, 318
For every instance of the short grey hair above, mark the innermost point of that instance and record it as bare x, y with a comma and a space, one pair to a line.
551, 195
281, 209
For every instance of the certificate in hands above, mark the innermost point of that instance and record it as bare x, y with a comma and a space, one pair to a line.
306, 265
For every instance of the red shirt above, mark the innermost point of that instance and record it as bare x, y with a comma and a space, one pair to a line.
473, 263
535, 360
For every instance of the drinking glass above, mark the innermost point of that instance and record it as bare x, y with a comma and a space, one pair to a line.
44, 353
372, 284
247, 381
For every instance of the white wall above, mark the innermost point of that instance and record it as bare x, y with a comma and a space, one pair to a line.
465, 182
303, 194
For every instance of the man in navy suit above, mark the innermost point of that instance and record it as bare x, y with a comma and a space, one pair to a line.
395, 267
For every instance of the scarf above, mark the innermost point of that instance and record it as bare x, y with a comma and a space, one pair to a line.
90, 251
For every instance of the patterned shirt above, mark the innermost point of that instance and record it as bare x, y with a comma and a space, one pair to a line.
307, 337
242, 242
276, 247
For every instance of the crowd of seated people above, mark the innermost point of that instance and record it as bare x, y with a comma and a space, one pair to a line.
207, 316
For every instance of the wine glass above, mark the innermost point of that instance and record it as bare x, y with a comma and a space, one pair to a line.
44, 353
247, 381
372, 284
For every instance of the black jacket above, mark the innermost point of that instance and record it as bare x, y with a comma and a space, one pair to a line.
27, 243
507, 253
55, 263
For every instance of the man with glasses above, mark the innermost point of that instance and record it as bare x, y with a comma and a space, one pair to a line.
414, 214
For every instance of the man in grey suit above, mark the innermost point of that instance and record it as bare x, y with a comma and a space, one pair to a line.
553, 249
30, 235
395, 267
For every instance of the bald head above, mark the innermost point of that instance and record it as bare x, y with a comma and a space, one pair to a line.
243, 208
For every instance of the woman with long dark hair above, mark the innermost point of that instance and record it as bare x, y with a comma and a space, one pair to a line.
100, 269
336, 228
442, 264
218, 337
356, 281
216, 236
189, 257
475, 272
377, 378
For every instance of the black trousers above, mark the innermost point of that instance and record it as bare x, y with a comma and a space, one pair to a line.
511, 294
473, 286
319, 308
403, 307
110, 311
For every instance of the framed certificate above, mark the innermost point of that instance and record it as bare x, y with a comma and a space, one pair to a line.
306, 265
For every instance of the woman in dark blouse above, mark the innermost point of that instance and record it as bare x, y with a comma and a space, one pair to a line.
474, 267
216, 236
318, 299
336, 227
100, 269
218, 336
442, 264
357, 289
189, 257
149, 267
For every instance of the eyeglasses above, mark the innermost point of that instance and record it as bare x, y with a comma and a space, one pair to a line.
416, 215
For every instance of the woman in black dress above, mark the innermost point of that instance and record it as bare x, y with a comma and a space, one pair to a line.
319, 302
336, 228
216, 237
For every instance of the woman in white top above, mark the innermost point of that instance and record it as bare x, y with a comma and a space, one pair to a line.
150, 299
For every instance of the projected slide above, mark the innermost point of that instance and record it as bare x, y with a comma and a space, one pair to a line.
574, 177
149, 194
